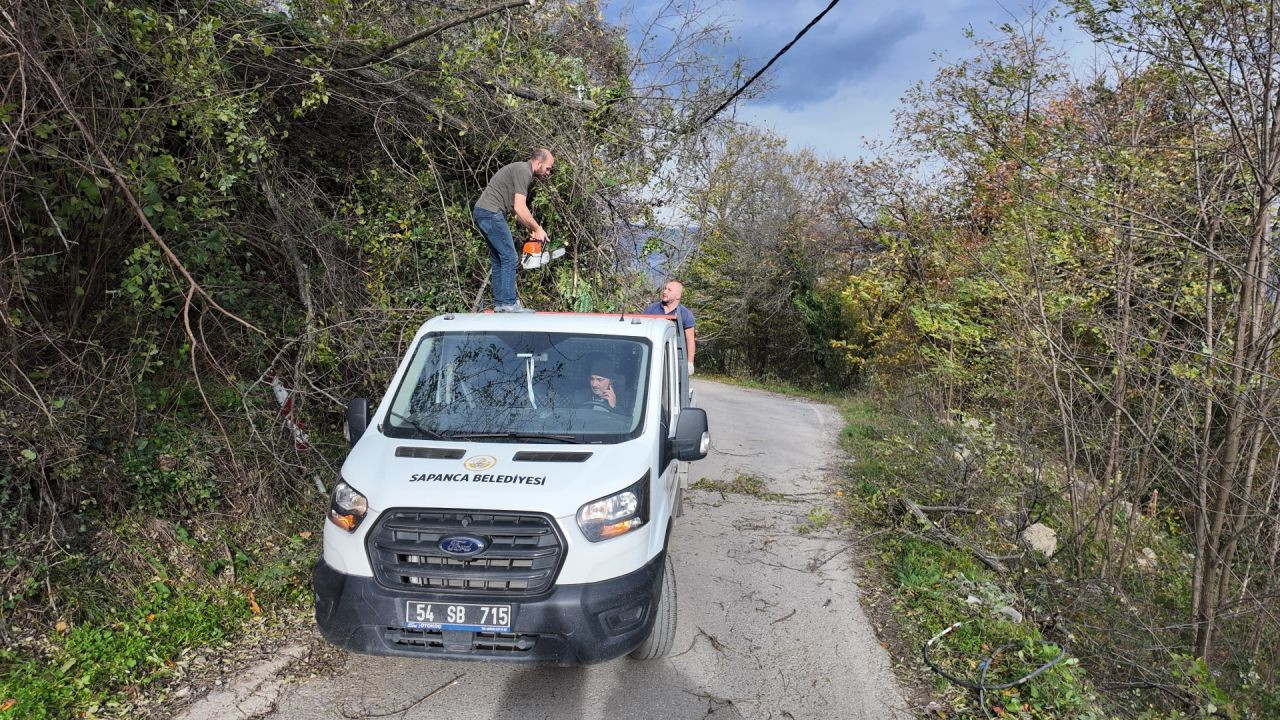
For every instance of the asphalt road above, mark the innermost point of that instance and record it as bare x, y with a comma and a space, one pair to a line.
769, 620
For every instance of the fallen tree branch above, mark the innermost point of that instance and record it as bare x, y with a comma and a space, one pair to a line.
361, 79
937, 533
784, 617
815, 563
545, 97
439, 27
949, 509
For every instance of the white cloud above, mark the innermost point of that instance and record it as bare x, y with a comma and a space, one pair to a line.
832, 128
844, 79
867, 95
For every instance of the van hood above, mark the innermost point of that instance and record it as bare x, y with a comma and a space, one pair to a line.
556, 479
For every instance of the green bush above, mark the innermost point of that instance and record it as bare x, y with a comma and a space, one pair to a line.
169, 471
932, 585
86, 667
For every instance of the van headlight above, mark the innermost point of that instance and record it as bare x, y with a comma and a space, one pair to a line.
616, 514
348, 507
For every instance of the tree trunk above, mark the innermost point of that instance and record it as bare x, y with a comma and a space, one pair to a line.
1212, 566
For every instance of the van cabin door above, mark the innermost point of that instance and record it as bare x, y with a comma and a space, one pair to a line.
670, 410
682, 365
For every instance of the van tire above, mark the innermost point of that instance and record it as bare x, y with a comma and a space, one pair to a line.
663, 635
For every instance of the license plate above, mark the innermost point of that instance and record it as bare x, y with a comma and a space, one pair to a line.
455, 616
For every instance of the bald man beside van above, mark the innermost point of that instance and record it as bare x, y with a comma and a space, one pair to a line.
672, 292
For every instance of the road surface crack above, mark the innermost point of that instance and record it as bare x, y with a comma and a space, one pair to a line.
406, 708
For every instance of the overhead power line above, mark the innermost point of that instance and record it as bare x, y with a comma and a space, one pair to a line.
769, 64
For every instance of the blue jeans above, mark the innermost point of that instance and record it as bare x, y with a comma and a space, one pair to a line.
502, 254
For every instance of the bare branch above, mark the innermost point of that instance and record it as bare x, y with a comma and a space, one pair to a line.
384, 53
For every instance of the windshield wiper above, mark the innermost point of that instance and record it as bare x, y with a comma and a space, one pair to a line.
532, 437
426, 431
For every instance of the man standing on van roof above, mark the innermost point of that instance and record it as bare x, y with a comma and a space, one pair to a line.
670, 305
506, 192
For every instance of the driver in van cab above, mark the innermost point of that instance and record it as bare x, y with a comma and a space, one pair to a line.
603, 396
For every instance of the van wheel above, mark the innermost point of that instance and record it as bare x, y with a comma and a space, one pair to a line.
663, 634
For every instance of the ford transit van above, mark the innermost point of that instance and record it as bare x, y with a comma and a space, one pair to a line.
512, 495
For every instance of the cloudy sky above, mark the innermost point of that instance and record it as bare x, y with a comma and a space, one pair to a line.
845, 77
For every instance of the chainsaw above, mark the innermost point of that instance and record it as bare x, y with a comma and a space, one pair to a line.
535, 254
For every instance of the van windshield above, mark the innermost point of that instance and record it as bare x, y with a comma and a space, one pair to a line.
522, 387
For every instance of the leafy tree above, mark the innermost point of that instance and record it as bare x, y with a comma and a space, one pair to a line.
198, 200
1091, 263
767, 280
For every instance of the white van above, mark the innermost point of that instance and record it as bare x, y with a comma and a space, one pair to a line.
511, 497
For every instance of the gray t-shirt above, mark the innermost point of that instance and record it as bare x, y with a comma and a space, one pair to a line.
500, 194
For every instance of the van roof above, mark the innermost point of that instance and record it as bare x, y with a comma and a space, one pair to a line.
593, 323
613, 315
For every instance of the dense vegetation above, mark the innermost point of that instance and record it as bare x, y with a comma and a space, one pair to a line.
200, 200
1069, 282
1086, 267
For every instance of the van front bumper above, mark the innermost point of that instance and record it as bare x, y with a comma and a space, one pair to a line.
570, 625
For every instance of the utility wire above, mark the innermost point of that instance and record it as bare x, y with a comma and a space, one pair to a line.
982, 686
767, 65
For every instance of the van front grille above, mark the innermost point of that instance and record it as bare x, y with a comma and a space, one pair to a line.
522, 551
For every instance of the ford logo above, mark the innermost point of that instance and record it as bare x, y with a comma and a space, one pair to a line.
462, 545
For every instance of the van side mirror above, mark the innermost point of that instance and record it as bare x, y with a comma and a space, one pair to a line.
357, 419
692, 438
